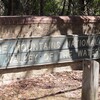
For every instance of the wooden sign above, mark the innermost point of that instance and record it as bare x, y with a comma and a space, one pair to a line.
23, 52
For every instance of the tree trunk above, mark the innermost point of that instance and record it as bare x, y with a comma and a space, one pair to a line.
41, 7
63, 9
81, 7
69, 7
10, 7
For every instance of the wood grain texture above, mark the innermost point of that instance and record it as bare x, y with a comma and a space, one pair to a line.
90, 80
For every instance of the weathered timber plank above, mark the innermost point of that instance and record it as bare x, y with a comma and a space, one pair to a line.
90, 80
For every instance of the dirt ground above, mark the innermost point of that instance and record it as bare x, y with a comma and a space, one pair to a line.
55, 86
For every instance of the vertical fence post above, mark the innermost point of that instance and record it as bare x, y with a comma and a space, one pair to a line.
90, 80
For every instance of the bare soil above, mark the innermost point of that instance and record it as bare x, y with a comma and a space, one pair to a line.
55, 86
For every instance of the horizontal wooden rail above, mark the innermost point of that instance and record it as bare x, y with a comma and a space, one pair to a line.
8, 20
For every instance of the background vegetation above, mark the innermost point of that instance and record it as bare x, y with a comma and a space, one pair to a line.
49, 7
